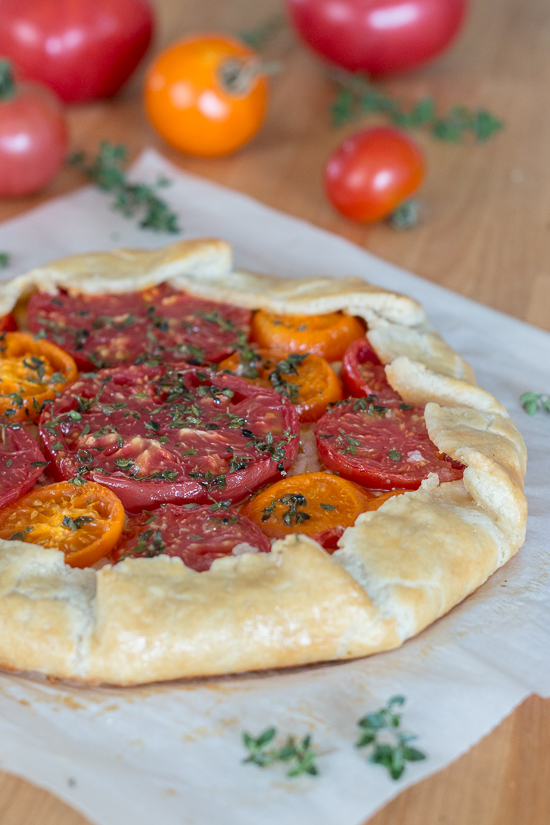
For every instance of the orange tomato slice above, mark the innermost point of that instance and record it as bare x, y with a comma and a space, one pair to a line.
85, 522
319, 505
307, 380
31, 372
326, 335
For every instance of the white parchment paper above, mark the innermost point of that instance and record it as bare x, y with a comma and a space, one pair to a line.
172, 753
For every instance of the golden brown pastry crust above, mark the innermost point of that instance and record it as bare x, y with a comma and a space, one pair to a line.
396, 570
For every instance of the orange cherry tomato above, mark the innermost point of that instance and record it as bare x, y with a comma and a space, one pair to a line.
372, 172
326, 335
307, 380
31, 372
319, 505
85, 522
205, 95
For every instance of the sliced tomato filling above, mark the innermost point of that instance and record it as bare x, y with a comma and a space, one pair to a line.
21, 462
197, 535
363, 373
159, 434
160, 323
380, 447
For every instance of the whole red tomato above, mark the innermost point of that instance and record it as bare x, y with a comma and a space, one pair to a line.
372, 172
82, 49
33, 135
377, 36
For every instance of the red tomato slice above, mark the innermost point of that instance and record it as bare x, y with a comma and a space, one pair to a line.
363, 373
197, 536
155, 435
8, 323
379, 448
21, 462
112, 330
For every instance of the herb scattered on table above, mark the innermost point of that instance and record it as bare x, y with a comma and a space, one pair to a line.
132, 199
389, 745
298, 753
357, 96
534, 401
4, 259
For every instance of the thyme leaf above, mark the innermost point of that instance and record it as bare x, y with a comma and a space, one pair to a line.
534, 401
298, 753
388, 744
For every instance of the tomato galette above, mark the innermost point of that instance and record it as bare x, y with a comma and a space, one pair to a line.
205, 471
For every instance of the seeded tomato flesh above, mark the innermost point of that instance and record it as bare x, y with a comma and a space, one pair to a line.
112, 330
21, 462
381, 449
197, 536
363, 373
158, 435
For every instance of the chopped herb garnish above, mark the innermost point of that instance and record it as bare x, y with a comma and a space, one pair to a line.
298, 753
377, 728
20, 535
287, 367
329, 506
76, 523
394, 455
39, 463
292, 501
149, 544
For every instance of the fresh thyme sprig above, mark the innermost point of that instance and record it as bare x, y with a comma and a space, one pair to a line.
377, 728
357, 96
132, 199
297, 752
533, 401
4, 259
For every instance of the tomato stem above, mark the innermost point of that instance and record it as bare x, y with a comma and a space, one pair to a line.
236, 75
7, 80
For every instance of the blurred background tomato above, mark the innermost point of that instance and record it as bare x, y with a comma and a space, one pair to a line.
377, 36
82, 49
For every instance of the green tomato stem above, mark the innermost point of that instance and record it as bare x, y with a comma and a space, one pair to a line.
7, 80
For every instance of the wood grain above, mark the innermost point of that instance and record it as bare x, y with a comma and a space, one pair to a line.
487, 236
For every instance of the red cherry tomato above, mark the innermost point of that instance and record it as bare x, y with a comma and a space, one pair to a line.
377, 36
372, 172
82, 49
33, 135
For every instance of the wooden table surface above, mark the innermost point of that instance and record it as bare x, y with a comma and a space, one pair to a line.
486, 235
